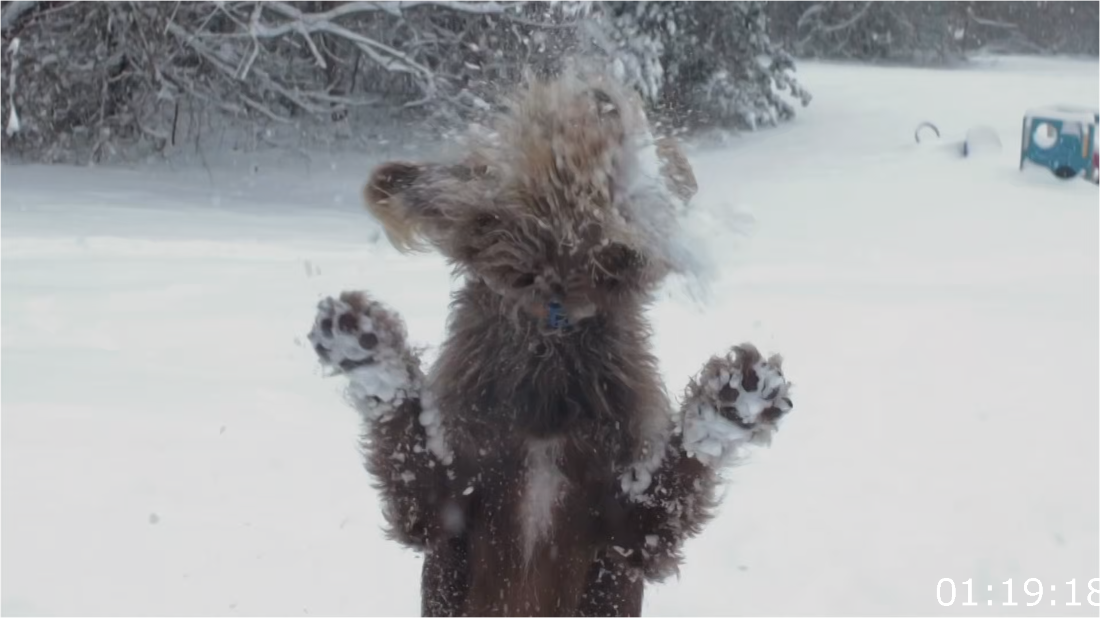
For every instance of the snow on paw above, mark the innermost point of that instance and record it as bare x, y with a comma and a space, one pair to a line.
365, 340
737, 399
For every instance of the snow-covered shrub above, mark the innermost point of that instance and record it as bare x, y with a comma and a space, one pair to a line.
700, 64
68, 84
630, 36
95, 79
89, 81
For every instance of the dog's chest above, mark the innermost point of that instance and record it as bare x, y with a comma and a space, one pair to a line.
544, 489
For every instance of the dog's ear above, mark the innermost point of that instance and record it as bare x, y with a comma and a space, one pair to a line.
393, 200
676, 169
416, 203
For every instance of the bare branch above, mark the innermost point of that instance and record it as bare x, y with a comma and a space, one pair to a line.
313, 48
312, 23
992, 23
851, 21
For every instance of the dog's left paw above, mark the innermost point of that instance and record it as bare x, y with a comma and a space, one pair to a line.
737, 399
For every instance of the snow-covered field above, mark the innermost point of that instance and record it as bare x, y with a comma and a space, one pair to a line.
169, 447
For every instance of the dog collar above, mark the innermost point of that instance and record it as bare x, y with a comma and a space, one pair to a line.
551, 313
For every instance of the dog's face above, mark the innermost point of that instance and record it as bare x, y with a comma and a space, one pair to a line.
547, 210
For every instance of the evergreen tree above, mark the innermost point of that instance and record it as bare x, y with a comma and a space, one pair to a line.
700, 63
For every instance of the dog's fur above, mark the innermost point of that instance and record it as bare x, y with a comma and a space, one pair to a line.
541, 469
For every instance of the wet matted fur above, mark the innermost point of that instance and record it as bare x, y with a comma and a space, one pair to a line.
539, 464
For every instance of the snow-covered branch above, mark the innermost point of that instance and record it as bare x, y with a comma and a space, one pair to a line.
306, 23
11, 127
13, 11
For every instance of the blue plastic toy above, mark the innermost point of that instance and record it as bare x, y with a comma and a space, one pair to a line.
1062, 139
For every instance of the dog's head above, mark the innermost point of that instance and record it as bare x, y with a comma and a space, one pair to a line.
567, 200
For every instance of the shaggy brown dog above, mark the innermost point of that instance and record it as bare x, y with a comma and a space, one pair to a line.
539, 464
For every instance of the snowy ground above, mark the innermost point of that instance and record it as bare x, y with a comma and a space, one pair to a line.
168, 446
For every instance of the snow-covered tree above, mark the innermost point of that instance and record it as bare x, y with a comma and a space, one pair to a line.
700, 64
934, 32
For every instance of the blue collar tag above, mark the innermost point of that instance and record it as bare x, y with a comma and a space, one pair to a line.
555, 315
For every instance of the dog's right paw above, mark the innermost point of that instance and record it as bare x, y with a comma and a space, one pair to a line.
366, 341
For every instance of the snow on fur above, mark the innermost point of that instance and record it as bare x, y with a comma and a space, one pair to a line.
635, 481
664, 222
544, 486
431, 419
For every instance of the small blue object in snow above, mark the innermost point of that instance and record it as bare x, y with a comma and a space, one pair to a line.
1062, 139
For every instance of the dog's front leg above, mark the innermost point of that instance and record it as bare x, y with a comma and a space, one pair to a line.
737, 399
404, 446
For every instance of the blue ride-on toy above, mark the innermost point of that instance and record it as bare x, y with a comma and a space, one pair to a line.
1062, 139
